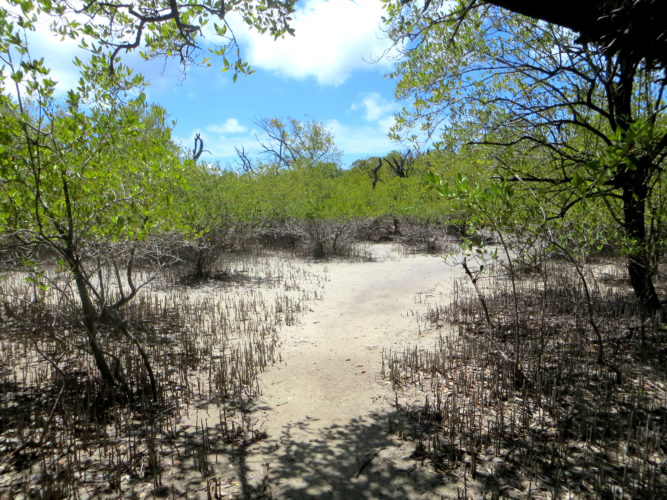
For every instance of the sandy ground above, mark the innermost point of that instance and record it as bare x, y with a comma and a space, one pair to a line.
327, 424
325, 409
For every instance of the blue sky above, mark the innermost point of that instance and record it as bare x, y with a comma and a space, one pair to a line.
322, 73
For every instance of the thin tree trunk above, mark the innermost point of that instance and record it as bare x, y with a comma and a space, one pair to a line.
89, 320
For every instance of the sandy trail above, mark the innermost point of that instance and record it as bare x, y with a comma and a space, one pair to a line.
325, 409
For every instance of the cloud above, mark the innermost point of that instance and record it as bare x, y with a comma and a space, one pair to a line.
379, 115
230, 126
361, 141
333, 38
375, 107
42, 43
58, 54
386, 123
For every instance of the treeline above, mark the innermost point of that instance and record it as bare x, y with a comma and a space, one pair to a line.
302, 200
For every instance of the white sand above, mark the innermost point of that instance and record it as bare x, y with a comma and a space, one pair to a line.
325, 408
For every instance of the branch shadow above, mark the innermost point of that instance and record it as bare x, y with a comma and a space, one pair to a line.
359, 459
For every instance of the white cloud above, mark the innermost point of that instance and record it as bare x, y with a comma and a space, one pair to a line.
386, 123
379, 115
230, 126
332, 39
361, 141
375, 107
58, 54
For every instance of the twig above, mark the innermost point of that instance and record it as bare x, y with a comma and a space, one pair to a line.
519, 377
368, 459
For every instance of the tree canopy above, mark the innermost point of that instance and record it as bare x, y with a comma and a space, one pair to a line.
636, 28
292, 143
579, 121
170, 28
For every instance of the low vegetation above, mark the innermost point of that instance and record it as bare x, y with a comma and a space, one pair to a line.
142, 290
560, 425
64, 434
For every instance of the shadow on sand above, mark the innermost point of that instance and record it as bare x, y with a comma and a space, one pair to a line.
357, 460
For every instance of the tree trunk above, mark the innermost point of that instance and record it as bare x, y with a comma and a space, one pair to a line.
634, 175
200, 271
89, 320
639, 267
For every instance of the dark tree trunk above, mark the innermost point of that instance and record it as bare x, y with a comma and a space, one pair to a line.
200, 264
639, 265
632, 178
375, 172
